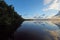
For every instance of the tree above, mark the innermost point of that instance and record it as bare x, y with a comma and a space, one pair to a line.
9, 19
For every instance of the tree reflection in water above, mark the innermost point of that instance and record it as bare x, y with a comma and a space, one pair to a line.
7, 32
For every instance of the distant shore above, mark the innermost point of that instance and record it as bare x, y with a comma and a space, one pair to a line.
42, 19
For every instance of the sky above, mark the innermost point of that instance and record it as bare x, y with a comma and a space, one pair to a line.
35, 8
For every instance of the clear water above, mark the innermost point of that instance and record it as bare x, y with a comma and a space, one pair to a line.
38, 30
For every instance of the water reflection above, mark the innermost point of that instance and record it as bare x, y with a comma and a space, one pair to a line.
38, 30
7, 31
56, 23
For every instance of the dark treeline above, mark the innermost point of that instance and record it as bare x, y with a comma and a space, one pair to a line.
9, 21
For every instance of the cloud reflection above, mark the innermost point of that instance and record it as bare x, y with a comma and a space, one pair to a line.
53, 35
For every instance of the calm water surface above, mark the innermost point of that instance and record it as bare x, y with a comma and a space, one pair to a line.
37, 30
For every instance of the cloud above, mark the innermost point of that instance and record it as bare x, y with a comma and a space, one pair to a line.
51, 15
32, 16
47, 1
55, 5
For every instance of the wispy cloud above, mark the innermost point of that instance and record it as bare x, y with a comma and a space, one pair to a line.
51, 15
47, 2
55, 5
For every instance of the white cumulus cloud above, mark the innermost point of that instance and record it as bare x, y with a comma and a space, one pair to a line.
55, 5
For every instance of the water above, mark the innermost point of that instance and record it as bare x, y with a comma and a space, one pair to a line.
38, 30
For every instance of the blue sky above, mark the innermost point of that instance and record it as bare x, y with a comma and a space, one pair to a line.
32, 8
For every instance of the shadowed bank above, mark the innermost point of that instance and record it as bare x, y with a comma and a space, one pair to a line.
9, 21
